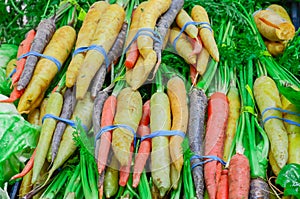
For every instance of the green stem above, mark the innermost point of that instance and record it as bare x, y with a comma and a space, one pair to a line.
176, 194
158, 81
56, 184
120, 192
73, 179
144, 187
119, 86
84, 177
265, 139
45, 10
190, 180
16, 8
92, 176
212, 66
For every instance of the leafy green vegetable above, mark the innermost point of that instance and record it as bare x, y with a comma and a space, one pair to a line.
291, 55
17, 137
4, 83
289, 178
7, 52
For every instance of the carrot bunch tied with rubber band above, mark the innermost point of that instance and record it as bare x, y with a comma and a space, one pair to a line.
44, 33
103, 39
258, 150
84, 38
107, 119
218, 112
138, 75
24, 48
58, 48
145, 146
128, 112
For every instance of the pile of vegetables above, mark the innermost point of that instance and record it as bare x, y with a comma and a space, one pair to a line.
152, 99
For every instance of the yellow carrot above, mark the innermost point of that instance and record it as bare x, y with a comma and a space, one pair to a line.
182, 18
134, 25
199, 14
177, 95
292, 130
106, 33
12, 64
183, 46
129, 112
267, 95
26, 185
34, 116
43, 109
59, 47
150, 14
136, 76
275, 168
84, 38
83, 111
202, 61
54, 107
160, 119
234, 113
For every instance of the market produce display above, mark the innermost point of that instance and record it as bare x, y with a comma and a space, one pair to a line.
150, 99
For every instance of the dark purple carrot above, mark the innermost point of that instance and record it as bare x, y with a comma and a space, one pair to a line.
163, 26
114, 53
66, 113
259, 188
44, 33
197, 110
97, 110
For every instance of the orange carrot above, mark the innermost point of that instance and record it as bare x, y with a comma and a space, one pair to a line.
26, 169
223, 189
214, 140
108, 114
14, 95
23, 48
193, 74
145, 146
132, 55
239, 177
125, 170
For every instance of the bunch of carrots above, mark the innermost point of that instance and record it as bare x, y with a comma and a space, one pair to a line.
119, 121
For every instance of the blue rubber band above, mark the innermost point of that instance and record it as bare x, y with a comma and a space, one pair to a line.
201, 24
279, 118
100, 49
209, 158
112, 127
67, 121
143, 31
283, 119
12, 73
281, 110
163, 133
57, 63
